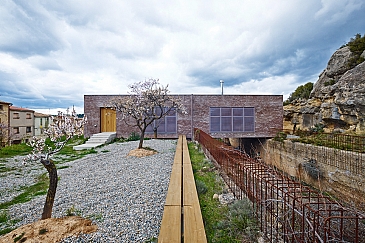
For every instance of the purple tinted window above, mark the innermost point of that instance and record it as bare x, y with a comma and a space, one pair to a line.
171, 124
235, 119
237, 124
226, 112
249, 124
226, 125
237, 111
215, 124
215, 111
249, 111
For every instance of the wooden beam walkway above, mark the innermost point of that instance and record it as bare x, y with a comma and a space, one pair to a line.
182, 220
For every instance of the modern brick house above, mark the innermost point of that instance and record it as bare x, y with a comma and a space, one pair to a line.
21, 124
222, 116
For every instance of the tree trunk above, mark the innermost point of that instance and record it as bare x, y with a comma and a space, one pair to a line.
140, 145
52, 172
155, 132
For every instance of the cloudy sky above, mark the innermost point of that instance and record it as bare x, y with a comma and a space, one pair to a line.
52, 52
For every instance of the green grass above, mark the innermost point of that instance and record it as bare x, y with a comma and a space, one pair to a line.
6, 225
232, 223
29, 192
4, 168
14, 150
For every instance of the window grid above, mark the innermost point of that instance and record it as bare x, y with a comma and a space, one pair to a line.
167, 124
232, 119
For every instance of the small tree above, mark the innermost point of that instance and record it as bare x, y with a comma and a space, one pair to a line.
147, 102
61, 129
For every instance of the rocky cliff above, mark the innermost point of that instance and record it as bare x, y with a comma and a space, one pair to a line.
337, 100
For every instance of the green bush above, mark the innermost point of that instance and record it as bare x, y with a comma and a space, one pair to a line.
331, 82
303, 92
280, 136
357, 47
133, 137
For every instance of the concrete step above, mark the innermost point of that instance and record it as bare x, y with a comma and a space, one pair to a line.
96, 140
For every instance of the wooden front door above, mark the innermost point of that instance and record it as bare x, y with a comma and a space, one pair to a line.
108, 120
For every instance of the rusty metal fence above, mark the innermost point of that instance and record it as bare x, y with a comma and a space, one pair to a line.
287, 210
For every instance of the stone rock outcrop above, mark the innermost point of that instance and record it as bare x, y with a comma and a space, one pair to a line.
337, 100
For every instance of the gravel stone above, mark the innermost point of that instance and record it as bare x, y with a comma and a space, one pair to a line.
123, 195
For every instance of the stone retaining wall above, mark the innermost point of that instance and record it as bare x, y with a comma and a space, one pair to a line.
339, 173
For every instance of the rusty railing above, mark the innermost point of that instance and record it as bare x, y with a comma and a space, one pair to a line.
287, 210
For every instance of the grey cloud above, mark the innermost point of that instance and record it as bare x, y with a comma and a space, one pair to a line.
27, 30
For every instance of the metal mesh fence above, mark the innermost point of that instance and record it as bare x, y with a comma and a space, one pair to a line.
287, 210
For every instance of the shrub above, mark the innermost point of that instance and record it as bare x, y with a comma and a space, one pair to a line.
280, 136
357, 47
303, 92
134, 137
201, 187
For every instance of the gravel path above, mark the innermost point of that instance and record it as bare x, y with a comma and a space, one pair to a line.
123, 195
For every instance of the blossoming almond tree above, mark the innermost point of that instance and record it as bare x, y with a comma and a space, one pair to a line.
147, 102
61, 129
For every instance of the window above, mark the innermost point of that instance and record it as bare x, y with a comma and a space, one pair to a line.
41, 122
16, 115
16, 130
232, 119
29, 116
167, 124
29, 130
1, 107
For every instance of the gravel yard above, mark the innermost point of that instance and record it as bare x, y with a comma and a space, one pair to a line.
123, 195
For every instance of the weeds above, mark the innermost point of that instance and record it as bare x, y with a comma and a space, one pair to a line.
98, 217
19, 238
72, 211
232, 223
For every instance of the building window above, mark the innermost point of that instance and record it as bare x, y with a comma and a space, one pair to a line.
28, 129
41, 122
167, 124
16, 130
1, 107
16, 115
29, 116
232, 119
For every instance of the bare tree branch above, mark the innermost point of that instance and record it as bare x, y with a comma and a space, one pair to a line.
147, 102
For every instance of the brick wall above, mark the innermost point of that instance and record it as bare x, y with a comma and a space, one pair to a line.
268, 117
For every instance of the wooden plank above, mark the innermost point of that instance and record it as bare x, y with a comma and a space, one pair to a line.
190, 196
193, 225
178, 153
174, 191
193, 222
170, 231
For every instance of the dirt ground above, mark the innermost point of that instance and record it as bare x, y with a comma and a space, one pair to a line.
141, 152
56, 229
50, 230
